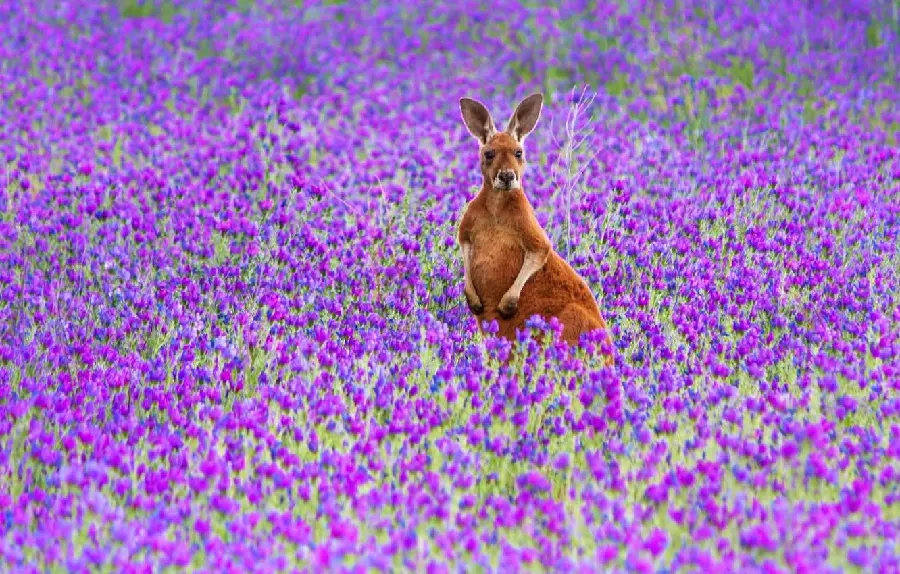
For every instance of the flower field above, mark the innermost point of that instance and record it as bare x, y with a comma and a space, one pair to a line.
233, 335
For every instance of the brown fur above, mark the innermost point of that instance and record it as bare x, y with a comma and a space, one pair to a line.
500, 227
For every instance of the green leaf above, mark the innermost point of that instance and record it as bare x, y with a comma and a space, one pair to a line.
742, 72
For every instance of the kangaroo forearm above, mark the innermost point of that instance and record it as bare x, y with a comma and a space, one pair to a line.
533, 262
467, 259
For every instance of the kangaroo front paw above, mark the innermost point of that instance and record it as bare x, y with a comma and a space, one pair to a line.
474, 303
508, 306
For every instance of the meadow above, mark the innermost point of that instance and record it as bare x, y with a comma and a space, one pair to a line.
233, 335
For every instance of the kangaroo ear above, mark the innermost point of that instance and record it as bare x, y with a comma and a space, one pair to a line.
477, 119
525, 117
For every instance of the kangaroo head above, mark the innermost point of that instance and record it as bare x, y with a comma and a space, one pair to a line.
502, 154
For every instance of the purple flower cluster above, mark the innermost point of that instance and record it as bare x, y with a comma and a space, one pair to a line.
232, 326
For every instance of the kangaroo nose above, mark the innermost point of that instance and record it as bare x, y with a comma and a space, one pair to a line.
506, 177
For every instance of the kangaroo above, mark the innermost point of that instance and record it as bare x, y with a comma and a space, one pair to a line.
510, 269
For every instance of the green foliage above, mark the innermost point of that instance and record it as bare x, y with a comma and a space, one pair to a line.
741, 72
873, 33
165, 10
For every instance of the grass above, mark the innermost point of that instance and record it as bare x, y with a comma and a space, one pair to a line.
165, 10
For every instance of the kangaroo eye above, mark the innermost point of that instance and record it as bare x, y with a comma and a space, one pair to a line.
489, 154
518, 154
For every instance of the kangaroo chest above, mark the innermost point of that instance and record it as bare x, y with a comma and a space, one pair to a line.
497, 257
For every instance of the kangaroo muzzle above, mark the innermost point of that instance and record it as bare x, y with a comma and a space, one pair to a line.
506, 179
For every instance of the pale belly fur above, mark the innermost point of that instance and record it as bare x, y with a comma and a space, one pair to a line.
496, 261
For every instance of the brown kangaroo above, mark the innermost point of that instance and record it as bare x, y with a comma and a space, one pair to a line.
511, 270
